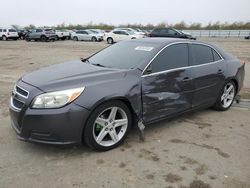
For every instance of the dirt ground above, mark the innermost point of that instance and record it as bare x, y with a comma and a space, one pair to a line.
199, 150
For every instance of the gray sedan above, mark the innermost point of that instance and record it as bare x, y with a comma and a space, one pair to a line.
98, 100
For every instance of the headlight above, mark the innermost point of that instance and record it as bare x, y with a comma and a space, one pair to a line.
57, 99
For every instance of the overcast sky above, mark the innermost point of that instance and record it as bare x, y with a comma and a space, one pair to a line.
52, 12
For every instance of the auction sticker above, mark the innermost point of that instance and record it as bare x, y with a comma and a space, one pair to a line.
144, 48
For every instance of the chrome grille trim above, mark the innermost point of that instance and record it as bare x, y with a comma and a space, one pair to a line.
13, 106
24, 96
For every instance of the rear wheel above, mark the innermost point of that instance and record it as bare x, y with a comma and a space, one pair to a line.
110, 40
226, 97
108, 126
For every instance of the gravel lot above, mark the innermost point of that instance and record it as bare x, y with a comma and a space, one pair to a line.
198, 150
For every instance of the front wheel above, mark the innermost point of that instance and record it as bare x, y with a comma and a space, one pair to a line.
5, 38
226, 97
108, 126
43, 38
93, 39
110, 40
75, 38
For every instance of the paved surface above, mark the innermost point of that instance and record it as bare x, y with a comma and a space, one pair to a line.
203, 149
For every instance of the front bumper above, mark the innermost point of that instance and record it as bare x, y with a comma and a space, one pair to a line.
49, 126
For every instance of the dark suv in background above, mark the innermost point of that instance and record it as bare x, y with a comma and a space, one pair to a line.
170, 32
41, 34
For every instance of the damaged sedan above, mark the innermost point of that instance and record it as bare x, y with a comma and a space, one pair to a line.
99, 99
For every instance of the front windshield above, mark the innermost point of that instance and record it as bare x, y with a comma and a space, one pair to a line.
125, 55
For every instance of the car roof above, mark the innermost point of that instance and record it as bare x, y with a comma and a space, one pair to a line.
162, 42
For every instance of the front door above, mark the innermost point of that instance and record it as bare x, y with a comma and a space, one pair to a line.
167, 86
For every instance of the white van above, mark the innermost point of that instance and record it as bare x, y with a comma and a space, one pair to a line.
6, 34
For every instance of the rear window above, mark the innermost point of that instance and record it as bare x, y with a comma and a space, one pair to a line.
12, 30
202, 54
216, 56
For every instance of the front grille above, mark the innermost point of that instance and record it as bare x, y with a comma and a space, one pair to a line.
18, 98
22, 91
17, 103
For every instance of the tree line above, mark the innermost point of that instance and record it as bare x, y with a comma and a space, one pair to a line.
181, 25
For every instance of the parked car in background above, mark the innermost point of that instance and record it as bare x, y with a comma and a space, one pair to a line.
247, 37
99, 99
170, 32
62, 34
41, 35
22, 33
119, 35
139, 33
98, 31
8, 33
86, 35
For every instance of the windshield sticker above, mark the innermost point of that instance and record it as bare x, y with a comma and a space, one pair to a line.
144, 48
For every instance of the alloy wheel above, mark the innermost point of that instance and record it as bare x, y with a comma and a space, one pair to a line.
228, 95
110, 126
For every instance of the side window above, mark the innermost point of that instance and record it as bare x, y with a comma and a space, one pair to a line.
84, 32
1, 30
38, 30
117, 32
78, 32
4, 30
123, 33
174, 56
216, 56
172, 32
202, 54
164, 31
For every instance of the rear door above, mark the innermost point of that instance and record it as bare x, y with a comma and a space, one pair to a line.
207, 68
166, 84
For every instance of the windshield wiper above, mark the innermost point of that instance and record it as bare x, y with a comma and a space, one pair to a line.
97, 64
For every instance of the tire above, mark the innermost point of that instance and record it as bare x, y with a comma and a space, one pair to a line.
4, 38
98, 136
226, 97
93, 39
75, 38
110, 40
57, 38
43, 38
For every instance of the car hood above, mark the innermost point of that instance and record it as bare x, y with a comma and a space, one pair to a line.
71, 75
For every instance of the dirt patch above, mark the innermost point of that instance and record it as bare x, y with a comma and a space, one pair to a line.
188, 160
148, 155
221, 153
199, 184
122, 165
172, 178
201, 169
99, 161
150, 176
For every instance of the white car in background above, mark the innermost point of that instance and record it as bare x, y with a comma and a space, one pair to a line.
140, 33
119, 35
62, 34
8, 33
86, 35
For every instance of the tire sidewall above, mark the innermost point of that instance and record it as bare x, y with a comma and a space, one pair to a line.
88, 130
